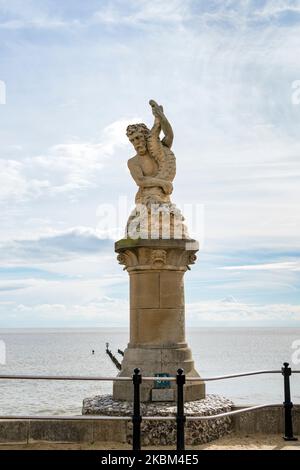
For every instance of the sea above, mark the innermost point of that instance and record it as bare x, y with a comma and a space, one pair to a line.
216, 351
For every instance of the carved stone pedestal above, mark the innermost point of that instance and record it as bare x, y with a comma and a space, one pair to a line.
157, 319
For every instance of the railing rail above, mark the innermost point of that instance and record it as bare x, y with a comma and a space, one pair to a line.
145, 379
180, 416
63, 377
233, 376
129, 418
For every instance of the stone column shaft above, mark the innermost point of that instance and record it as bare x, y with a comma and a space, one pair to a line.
156, 308
157, 318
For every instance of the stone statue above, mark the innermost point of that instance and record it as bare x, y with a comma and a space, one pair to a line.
153, 168
156, 252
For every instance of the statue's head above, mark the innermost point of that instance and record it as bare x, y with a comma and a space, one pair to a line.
138, 134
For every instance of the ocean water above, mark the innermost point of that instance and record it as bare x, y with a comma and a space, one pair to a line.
216, 351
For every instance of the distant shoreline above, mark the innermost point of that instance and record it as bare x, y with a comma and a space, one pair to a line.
108, 329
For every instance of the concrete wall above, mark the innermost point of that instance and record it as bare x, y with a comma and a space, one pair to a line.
269, 421
88, 431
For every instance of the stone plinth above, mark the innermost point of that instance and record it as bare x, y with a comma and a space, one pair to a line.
157, 317
163, 432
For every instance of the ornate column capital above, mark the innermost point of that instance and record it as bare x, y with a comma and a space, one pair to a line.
137, 255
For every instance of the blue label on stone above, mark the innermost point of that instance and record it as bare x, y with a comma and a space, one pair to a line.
162, 383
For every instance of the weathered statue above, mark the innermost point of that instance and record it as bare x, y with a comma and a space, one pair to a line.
153, 168
156, 252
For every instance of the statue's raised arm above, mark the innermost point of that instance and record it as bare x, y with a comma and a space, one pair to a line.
153, 169
162, 123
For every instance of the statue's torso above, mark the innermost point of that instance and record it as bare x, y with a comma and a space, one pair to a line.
152, 194
148, 165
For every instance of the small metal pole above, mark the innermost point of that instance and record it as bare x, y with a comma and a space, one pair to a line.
136, 418
287, 404
180, 419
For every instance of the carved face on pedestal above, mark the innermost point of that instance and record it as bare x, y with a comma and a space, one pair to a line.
139, 142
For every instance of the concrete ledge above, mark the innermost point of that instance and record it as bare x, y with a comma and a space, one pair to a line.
267, 421
12, 431
108, 430
61, 431
66, 431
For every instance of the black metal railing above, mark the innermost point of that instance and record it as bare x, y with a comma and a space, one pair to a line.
288, 404
136, 418
180, 417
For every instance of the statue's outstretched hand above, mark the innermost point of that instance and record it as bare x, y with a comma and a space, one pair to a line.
161, 123
157, 110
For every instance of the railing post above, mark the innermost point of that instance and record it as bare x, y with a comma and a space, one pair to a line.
136, 418
180, 419
287, 404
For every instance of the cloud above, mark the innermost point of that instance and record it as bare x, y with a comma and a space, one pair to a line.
29, 272
15, 186
76, 164
143, 13
224, 73
78, 291
220, 312
273, 9
108, 311
110, 13
285, 265
12, 184
12, 286
35, 16
65, 168
37, 23
229, 299
56, 246
234, 14
105, 312
242, 14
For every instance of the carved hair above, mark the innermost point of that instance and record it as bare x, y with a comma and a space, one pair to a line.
133, 128
153, 142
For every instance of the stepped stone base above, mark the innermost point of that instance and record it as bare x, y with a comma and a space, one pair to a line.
164, 432
158, 360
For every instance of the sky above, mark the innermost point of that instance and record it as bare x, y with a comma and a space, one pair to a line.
73, 75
